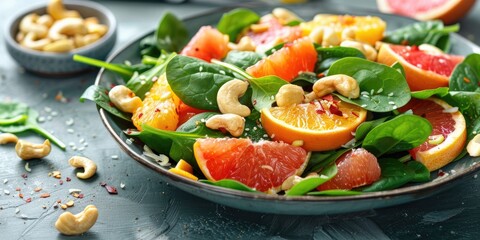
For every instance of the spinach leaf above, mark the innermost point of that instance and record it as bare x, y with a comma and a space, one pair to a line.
274, 49
335, 192
148, 46
431, 32
229, 183
469, 105
196, 82
383, 89
319, 160
171, 34
196, 125
364, 128
99, 95
402, 133
466, 75
424, 94
140, 84
327, 56
264, 90
253, 128
30, 123
232, 23
242, 59
396, 174
309, 183
305, 80
123, 70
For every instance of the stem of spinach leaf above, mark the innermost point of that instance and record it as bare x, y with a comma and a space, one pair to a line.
234, 69
48, 135
14, 120
98, 63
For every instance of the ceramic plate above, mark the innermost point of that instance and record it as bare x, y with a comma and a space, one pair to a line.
301, 205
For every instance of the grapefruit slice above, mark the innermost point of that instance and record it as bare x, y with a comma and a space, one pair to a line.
273, 33
288, 62
423, 70
449, 133
356, 168
321, 125
449, 11
207, 44
263, 166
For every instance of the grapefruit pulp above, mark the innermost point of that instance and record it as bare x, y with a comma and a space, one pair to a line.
207, 44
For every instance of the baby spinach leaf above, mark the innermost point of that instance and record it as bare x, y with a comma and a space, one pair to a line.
327, 56
309, 183
148, 46
466, 75
233, 22
397, 66
305, 80
402, 133
242, 59
171, 34
196, 82
196, 125
27, 124
229, 183
424, 94
140, 84
253, 127
264, 90
396, 174
99, 95
13, 113
383, 89
431, 32
335, 192
273, 49
319, 160
469, 105
364, 128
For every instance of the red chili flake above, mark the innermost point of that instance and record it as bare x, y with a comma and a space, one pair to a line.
20, 195
254, 102
140, 115
415, 48
441, 173
60, 182
334, 110
106, 92
45, 195
321, 75
111, 104
37, 189
157, 110
111, 189
465, 79
355, 114
68, 179
80, 195
112, 85
319, 111
28, 200
404, 42
103, 184
24, 175
328, 97
18, 189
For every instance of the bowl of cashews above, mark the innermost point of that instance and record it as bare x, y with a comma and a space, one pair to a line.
43, 39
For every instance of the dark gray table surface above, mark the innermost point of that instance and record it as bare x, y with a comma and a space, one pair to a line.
150, 209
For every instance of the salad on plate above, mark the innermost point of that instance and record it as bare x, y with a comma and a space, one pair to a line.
276, 104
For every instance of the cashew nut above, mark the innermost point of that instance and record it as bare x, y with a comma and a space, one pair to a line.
368, 51
473, 147
83, 40
227, 97
289, 94
67, 27
348, 34
285, 16
62, 45
96, 28
88, 166
26, 150
330, 37
45, 20
70, 224
8, 138
28, 24
56, 9
316, 35
124, 99
259, 27
245, 44
343, 84
233, 123
30, 41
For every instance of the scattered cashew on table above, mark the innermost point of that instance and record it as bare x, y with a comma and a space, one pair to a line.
59, 30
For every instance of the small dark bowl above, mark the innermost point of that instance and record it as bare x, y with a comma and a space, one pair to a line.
61, 64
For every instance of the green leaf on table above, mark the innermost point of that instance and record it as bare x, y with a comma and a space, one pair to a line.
232, 23
383, 89
327, 56
401, 133
424, 94
13, 113
99, 95
229, 183
242, 59
309, 183
466, 75
171, 34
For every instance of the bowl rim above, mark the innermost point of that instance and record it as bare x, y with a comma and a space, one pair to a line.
112, 28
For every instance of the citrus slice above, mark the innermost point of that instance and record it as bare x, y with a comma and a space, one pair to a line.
424, 70
449, 133
366, 28
159, 108
270, 32
356, 168
321, 125
449, 11
263, 166
288, 62
207, 44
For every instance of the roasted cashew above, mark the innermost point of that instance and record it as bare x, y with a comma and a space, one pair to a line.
227, 97
124, 99
62, 45
285, 16
330, 37
83, 40
343, 84
28, 25
348, 34
30, 41
66, 27
88, 166
70, 224
96, 28
473, 147
289, 94
56, 9
45, 20
233, 123
368, 51
245, 44
26, 150
8, 138
316, 35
